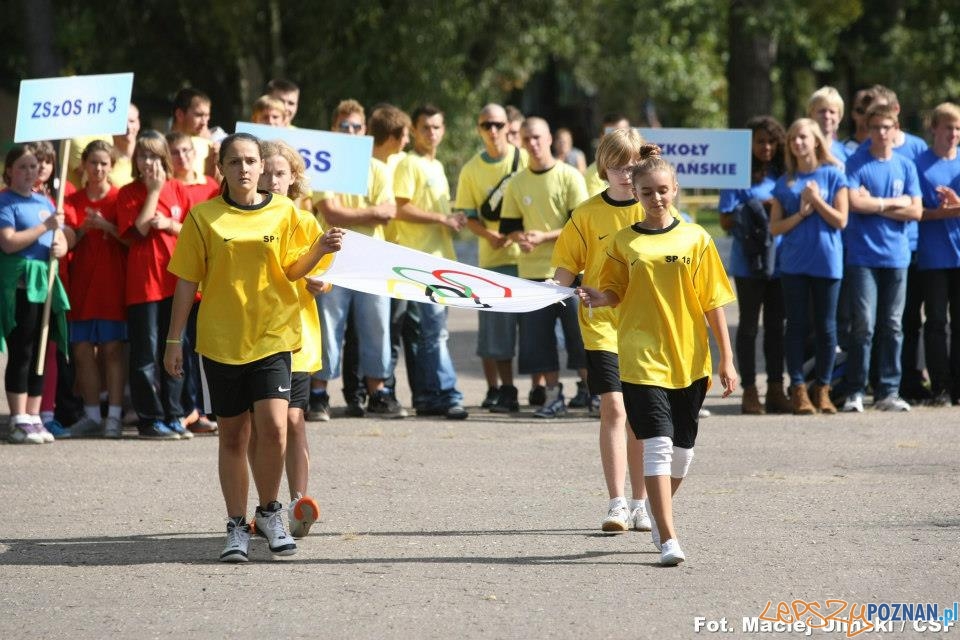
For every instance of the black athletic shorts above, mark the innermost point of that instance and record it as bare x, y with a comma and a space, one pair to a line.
657, 411
235, 387
300, 390
603, 372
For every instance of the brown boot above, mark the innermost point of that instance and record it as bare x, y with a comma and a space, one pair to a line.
821, 399
800, 401
777, 400
750, 405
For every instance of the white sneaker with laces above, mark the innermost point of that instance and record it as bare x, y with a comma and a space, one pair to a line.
671, 554
238, 542
654, 531
302, 512
22, 431
269, 523
42, 430
640, 520
892, 402
617, 520
853, 404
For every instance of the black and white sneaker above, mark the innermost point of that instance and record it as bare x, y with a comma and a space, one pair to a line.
269, 523
238, 541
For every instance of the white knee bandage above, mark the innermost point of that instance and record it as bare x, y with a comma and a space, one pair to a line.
656, 456
681, 462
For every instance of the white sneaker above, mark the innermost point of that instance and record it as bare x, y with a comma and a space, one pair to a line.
238, 542
704, 413
42, 430
654, 531
112, 427
617, 520
671, 554
853, 404
269, 523
23, 431
892, 402
640, 520
302, 512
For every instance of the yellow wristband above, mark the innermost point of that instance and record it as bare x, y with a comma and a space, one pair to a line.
172, 341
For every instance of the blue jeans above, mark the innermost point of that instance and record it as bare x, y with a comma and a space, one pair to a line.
435, 379
371, 315
798, 293
154, 392
877, 297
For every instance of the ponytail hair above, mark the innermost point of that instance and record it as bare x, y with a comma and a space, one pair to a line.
651, 161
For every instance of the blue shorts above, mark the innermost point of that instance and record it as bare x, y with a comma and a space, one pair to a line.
97, 331
497, 335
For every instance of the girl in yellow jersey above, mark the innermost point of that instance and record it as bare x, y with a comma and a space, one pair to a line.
247, 249
665, 276
582, 247
284, 173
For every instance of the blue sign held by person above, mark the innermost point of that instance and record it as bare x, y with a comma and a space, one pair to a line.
73, 106
705, 158
335, 161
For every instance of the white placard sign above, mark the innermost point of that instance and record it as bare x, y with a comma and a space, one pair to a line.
706, 158
335, 162
73, 106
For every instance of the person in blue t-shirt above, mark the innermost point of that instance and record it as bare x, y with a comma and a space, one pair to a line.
758, 290
938, 255
826, 107
910, 147
884, 195
810, 210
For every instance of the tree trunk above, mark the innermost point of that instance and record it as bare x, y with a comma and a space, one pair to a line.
752, 54
41, 54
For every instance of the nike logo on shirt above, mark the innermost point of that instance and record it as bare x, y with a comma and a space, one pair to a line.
603, 236
282, 390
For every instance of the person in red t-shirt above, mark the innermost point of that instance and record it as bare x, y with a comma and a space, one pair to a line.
150, 211
200, 188
98, 313
182, 155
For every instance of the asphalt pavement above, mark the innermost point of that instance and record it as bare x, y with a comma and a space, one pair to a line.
486, 528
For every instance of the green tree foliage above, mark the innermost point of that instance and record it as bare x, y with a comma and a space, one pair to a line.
627, 56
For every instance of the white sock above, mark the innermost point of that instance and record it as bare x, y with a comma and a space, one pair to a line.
636, 504
619, 501
115, 411
92, 411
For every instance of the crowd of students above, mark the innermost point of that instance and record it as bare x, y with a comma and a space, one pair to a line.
856, 243
160, 264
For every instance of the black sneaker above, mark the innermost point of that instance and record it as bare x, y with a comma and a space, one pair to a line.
319, 408
507, 401
537, 396
493, 395
355, 410
157, 431
383, 405
456, 412
581, 399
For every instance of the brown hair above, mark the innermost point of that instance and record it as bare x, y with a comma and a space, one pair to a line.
99, 145
651, 161
152, 141
388, 122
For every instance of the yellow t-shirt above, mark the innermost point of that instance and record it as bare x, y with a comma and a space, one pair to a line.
202, 146
582, 247
666, 280
477, 179
390, 233
595, 184
423, 182
379, 190
543, 201
238, 254
309, 358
